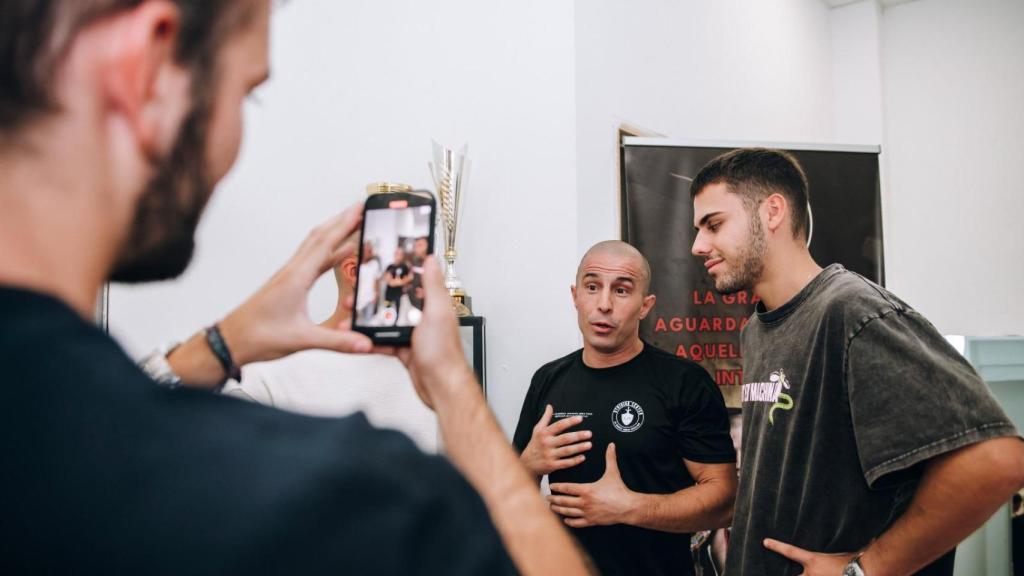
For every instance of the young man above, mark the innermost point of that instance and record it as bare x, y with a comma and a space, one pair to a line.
117, 119
662, 467
870, 446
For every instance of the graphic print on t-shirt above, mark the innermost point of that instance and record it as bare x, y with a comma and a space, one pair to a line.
627, 416
770, 392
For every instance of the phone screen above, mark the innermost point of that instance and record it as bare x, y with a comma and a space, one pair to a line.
396, 240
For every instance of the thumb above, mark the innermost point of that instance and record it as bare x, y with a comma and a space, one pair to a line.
338, 340
611, 464
435, 294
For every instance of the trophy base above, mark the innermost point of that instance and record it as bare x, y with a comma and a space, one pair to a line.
460, 302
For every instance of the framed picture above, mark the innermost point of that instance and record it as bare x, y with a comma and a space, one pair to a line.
472, 333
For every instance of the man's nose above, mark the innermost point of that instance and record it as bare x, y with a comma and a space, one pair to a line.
700, 245
604, 301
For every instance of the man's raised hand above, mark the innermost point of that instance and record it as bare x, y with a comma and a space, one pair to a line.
552, 448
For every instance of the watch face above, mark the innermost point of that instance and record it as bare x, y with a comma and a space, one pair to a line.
853, 569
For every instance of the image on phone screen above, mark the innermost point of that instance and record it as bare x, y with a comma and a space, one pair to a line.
389, 290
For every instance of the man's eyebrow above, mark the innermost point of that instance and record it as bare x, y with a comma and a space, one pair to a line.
706, 217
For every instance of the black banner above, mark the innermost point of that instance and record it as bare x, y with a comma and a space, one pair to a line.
690, 319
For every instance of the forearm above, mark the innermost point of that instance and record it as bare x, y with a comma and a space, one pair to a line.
476, 445
957, 494
194, 362
701, 507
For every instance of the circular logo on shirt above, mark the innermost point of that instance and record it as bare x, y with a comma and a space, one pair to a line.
627, 416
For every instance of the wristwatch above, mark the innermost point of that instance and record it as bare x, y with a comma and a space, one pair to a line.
854, 568
156, 366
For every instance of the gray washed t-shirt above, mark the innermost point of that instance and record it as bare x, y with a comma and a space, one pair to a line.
847, 392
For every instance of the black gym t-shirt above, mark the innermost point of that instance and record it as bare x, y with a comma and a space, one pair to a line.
398, 272
105, 473
658, 409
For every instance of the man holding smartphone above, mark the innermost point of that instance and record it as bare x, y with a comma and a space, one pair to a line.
117, 120
634, 440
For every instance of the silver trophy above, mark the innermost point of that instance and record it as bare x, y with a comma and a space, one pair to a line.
449, 171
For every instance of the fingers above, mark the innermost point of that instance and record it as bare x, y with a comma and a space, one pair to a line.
568, 512
568, 462
565, 501
569, 488
545, 418
788, 550
569, 438
564, 424
572, 450
578, 522
317, 254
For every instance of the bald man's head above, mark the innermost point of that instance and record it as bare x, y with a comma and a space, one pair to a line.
620, 249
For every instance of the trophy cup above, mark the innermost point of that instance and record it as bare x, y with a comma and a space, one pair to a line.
449, 172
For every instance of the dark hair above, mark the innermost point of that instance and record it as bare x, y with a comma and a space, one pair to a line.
35, 36
755, 174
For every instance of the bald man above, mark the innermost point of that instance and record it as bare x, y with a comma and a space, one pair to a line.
635, 441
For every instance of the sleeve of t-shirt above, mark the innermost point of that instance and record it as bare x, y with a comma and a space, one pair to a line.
528, 415
253, 387
702, 422
913, 397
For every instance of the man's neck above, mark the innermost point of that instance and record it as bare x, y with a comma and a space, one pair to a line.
595, 358
341, 314
783, 278
58, 238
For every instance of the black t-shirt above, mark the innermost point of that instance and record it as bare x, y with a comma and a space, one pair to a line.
658, 410
398, 272
105, 473
848, 391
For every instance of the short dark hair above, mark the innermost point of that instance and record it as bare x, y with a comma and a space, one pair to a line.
35, 36
755, 174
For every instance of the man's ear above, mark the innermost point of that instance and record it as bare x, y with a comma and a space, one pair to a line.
648, 305
572, 289
141, 80
776, 211
348, 270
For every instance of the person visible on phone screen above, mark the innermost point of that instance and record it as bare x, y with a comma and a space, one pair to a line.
369, 285
397, 276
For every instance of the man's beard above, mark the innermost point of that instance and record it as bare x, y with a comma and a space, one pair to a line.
748, 264
162, 239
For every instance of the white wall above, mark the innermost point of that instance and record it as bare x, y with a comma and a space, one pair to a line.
953, 92
857, 73
723, 69
539, 88
358, 91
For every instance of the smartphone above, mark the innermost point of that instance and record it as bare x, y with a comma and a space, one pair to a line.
396, 236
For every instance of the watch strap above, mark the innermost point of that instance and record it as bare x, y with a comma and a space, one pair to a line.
156, 366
